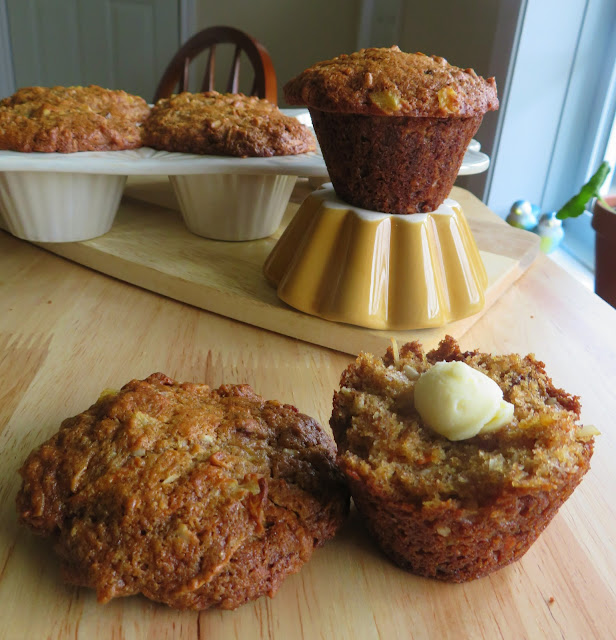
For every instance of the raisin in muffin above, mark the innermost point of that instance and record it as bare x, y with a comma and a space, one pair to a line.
192, 496
393, 126
70, 119
456, 509
225, 124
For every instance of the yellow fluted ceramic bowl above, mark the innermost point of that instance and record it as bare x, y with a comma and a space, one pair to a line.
378, 270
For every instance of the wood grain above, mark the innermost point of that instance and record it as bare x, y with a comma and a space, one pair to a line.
66, 332
149, 246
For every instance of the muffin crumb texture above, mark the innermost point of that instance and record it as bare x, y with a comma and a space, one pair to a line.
456, 510
193, 497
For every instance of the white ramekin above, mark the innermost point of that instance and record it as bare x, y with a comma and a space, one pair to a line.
234, 207
59, 207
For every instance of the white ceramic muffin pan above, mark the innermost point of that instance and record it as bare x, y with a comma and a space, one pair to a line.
59, 207
67, 197
227, 206
53, 197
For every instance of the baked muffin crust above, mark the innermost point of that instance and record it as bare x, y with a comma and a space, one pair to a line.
71, 119
193, 497
225, 124
380, 81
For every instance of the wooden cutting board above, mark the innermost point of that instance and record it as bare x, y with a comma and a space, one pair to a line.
149, 246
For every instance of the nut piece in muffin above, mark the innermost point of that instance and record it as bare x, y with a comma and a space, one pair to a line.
71, 119
191, 496
393, 126
228, 124
457, 509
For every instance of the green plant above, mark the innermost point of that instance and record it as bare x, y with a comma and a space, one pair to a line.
577, 205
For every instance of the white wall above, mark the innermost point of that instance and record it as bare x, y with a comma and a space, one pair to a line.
119, 44
461, 32
296, 33
7, 80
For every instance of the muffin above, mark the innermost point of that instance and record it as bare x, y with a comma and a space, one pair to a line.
457, 461
191, 496
70, 119
393, 126
225, 124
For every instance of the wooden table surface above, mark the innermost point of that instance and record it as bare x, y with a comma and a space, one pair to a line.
67, 332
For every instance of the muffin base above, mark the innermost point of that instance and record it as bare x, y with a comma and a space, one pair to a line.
454, 544
393, 164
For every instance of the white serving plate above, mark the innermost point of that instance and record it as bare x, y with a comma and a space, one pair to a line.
147, 161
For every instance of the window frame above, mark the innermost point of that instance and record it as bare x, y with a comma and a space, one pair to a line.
546, 149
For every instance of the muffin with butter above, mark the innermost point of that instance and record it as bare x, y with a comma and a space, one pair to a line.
457, 461
393, 126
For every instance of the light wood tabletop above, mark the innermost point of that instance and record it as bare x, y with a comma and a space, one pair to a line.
67, 332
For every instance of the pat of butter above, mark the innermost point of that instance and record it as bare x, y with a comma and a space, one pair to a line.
459, 402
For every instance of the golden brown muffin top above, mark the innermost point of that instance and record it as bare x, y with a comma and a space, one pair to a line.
70, 119
155, 487
382, 440
391, 82
225, 124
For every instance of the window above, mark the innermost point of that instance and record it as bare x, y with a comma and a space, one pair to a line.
557, 124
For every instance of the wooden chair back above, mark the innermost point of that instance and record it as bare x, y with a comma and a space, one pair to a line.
177, 72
